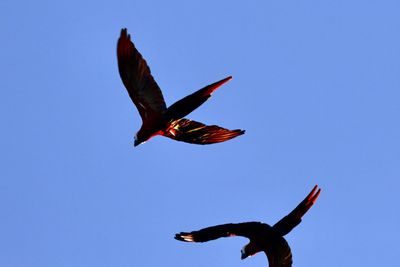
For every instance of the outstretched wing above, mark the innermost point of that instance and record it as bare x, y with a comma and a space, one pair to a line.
287, 223
197, 133
279, 254
137, 78
224, 230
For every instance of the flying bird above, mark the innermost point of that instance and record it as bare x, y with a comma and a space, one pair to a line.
263, 237
157, 119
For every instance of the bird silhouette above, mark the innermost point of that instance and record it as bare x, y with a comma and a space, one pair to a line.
263, 237
157, 119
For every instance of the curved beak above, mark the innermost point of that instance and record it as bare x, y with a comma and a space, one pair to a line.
243, 256
136, 143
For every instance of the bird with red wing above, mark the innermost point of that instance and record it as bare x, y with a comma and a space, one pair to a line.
262, 236
157, 119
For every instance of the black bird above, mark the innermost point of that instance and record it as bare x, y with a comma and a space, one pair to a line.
156, 117
262, 236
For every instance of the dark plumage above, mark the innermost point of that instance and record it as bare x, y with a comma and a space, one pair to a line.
263, 237
156, 117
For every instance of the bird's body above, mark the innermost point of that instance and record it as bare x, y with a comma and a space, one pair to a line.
157, 119
262, 236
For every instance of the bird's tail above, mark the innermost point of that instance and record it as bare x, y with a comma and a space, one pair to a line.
189, 103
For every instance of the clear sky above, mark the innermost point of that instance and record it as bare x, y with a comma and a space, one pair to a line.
316, 86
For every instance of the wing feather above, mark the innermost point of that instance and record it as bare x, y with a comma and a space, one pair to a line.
218, 231
137, 78
279, 254
198, 133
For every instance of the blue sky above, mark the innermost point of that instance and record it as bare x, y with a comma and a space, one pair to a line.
315, 85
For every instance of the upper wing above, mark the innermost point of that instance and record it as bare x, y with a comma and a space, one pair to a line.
224, 230
287, 223
197, 133
137, 78
279, 254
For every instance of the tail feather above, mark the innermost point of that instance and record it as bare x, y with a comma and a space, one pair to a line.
191, 102
209, 89
290, 221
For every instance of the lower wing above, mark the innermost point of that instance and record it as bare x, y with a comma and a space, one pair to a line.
197, 133
247, 229
279, 254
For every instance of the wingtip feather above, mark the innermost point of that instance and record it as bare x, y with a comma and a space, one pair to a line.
124, 34
184, 237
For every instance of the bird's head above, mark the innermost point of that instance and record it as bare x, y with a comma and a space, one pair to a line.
249, 250
138, 140
244, 254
